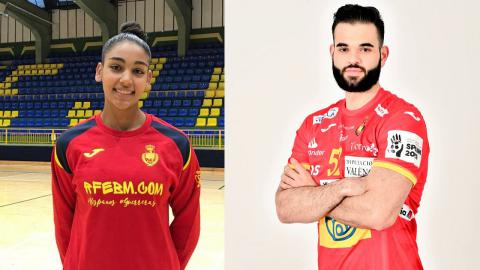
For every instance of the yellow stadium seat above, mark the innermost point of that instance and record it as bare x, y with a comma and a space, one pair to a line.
28, 72
41, 72
8, 85
34, 71
212, 86
217, 102
2, 85
7, 114
1, 122
48, 72
71, 113
162, 60
33, 66
8, 92
78, 105
220, 94
201, 122
209, 94
215, 78
60, 65
151, 67
215, 112
152, 81
15, 91
2, 92
158, 66
80, 114
207, 102
54, 71
140, 103
15, 72
52, 66
222, 78
204, 112
217, 70
1, 113
144, 95
6, 123
15, 79
21, 72
8, 79
221, 86
26, 67
155, 73
20, 67
154, 61
212, 122
39, 66
98, 111
73, 122
14, 114
46, 66
86, 105
88, 113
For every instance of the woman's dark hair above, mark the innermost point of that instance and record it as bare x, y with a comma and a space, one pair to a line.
356, 13
129, 31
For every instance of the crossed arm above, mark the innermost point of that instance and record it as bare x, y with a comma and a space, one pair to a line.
372, 202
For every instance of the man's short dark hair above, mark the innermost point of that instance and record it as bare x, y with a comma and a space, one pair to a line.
357, 13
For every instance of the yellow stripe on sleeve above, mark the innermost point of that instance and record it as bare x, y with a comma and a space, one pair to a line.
188, 160
396, 168
56, 159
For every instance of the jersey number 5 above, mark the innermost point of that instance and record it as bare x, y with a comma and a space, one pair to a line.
334, 158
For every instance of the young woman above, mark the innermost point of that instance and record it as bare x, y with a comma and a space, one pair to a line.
115, 175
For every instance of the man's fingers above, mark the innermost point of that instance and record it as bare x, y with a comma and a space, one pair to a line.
290, 173
301, 168
284, 185
288, 180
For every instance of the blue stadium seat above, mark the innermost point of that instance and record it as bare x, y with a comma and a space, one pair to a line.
177, 103
179, 122
193, 112
162, 112
167, 103
189, 122
173, 112
197, 102
182, 112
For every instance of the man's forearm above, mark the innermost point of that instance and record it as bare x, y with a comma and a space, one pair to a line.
307, 204
356, 211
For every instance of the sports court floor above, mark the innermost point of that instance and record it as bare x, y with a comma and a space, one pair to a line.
26, 219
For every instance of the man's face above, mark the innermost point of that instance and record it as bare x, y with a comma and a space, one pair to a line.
356, 56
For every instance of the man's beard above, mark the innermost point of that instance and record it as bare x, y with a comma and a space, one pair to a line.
364, 84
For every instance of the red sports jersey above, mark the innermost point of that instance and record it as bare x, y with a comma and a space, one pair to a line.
111, 192
387, 132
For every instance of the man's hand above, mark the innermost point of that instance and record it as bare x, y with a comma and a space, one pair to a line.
296, 175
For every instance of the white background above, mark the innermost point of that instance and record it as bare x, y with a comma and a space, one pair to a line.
279, 70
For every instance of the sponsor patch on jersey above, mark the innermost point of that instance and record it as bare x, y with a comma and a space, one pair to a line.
324, 182
380, 110
328, 115
406, 213
404, 145
333, 234
357, 166
312, 144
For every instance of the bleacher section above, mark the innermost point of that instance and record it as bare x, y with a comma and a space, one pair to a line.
187, 92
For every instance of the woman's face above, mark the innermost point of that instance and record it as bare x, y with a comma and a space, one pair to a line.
124, 75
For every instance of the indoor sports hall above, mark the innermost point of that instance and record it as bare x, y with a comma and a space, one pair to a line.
49, 50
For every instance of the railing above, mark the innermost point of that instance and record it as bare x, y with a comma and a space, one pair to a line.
200, 138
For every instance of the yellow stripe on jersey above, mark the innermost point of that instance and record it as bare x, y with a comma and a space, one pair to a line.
56, 159
188, 160
396, 168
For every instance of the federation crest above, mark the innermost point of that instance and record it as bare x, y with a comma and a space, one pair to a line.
150, 158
